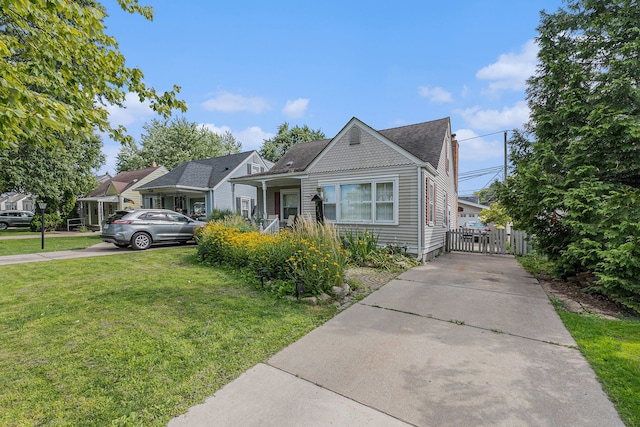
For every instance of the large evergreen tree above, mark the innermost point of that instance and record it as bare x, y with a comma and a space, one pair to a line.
576, 180
172, 143
274, 148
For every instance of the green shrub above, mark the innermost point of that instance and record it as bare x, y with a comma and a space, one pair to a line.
309, 255
359, 245
220, 214
392, 259
51, 222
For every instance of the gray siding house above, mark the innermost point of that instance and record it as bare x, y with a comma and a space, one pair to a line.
469, 210
400, 183
197, 187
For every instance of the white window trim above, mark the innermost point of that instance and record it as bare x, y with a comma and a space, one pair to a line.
248, 201
431, 212
372, 181
255, 168
282, 194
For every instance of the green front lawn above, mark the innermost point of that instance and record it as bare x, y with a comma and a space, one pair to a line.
19, 231
32, 246
131, 339
612, 348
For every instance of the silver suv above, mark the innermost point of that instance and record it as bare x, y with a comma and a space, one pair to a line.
140, 228
15, 219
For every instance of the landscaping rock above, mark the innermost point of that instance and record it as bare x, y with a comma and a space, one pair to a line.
309, 300
324, 297
338, 291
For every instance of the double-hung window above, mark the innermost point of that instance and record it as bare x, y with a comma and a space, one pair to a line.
372, 201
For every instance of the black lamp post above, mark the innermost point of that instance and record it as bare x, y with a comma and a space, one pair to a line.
42, 206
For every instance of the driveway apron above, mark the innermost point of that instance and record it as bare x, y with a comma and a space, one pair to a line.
463, 340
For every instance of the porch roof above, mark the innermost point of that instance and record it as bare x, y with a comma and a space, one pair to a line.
108, 199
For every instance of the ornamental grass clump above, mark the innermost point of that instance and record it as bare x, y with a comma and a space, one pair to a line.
309, 257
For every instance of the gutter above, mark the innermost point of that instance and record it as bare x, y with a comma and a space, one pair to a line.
420, 213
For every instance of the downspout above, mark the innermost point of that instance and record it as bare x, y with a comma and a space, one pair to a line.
420, 213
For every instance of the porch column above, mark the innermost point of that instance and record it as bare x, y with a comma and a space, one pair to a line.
264, 199
100, 214
233, 198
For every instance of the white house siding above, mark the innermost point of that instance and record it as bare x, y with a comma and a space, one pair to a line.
434, 236
223, 193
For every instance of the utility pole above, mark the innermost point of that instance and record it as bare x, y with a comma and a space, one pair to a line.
504, 179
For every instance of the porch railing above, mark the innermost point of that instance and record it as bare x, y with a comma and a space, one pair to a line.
273, 225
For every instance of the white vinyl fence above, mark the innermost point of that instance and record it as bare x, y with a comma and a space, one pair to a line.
490, 242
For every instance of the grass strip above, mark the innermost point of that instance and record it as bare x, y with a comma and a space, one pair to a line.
33, 246
612, 348
131, 339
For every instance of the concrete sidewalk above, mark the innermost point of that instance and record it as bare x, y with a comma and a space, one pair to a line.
464, 340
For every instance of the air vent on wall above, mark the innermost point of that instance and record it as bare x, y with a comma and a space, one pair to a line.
354, 135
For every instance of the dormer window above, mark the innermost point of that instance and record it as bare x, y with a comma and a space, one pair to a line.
354, 135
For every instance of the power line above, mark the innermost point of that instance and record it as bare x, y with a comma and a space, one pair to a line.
488, 134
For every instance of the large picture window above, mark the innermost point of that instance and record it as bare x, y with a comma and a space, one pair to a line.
374, 201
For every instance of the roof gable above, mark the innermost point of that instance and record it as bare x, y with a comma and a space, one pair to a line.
121, 182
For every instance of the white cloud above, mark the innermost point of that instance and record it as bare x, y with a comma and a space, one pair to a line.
478, 149
436, 94
232, 103
215, 129
295, 109
508, 118
133, 111
251, 137
511, 70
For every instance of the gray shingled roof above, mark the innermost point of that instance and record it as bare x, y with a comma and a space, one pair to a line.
206, 173
423, 140
121, 181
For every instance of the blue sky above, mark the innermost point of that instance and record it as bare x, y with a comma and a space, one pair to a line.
249, 66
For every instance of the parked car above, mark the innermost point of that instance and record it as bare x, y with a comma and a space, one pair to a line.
15, 219
474, 230
140, 228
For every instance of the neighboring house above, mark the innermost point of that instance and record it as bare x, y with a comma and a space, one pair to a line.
17, 201
103, 178
400, 183
116, 193
197, 187
469, 210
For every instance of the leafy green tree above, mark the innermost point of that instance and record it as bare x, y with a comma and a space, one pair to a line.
59, 70
274, 148
496, 214
172, 143
576, 177
488, 195
56, 174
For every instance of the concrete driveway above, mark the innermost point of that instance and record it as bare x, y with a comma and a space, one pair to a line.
464, 340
